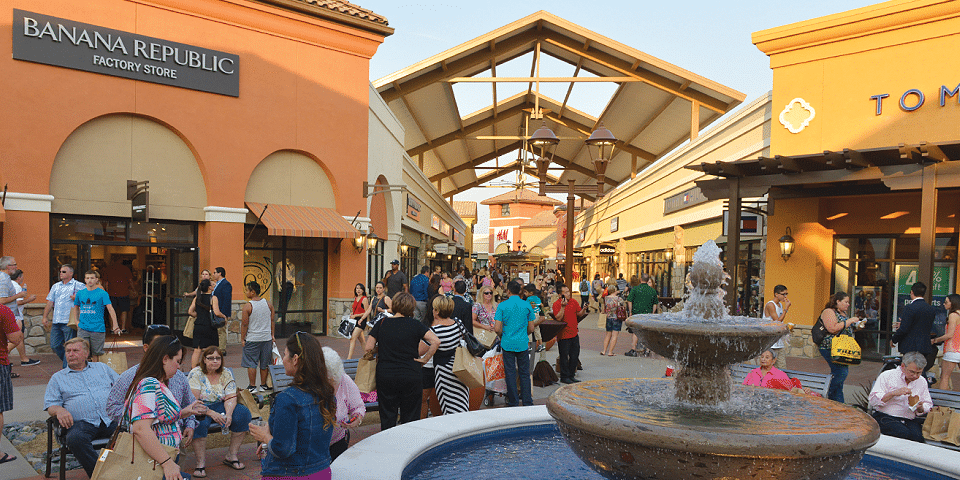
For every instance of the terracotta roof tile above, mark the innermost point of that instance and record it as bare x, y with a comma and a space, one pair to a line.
542, 219
348, 8
521, 196
465, 209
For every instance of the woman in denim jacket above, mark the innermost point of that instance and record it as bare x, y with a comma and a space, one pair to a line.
297, 443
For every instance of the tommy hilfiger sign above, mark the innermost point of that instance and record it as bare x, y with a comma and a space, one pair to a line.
80, 46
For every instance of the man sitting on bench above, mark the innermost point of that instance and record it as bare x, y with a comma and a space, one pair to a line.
899, 395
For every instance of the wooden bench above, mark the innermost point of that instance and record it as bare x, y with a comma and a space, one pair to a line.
281, 380
945, 398
816, 382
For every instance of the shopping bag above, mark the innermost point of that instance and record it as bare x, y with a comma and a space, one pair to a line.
845, 350
486, 337
953, 429
467, 368
367, 373
936, 424
127, 459
188, 329
222, 334
277, 359
74, 321
115, 360
248, 400
494, 376
347, 324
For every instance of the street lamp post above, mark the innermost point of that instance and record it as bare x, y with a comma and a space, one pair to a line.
600, 145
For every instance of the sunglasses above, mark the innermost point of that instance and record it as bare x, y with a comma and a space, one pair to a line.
159, 329
488, 293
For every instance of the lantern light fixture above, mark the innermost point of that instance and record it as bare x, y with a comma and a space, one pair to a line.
787, 245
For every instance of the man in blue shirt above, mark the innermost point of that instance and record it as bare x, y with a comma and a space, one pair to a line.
514, 321
77, 396
90, 304
223, 290
419, 288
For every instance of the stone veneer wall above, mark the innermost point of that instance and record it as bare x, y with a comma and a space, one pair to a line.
800, 344
337, 307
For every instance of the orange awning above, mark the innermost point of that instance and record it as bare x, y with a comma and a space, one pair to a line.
294, 221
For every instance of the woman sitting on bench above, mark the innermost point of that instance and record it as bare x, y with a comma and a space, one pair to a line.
769, 376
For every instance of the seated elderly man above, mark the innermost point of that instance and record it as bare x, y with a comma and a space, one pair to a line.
77, 396
899, 395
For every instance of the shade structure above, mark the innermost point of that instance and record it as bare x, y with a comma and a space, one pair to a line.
297, 221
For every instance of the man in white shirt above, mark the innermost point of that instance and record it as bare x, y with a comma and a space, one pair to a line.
59, 303
899, 395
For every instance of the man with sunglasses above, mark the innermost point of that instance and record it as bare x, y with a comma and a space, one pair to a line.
59, 303
179, 385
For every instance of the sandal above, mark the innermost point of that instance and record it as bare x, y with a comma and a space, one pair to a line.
202, 474
7, 458
234, 464
13, 375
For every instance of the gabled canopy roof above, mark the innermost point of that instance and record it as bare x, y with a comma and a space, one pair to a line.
656, 107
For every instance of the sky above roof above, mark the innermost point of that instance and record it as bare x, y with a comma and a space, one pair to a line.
708, 38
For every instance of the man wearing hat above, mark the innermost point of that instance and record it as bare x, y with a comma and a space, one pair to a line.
396, 280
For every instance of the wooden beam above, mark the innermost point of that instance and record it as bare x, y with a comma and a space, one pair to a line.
413, 115
653, 79
573, 79
485, 178
694, 120
479, 160
566, 97
468, 129
633, 167
521, 41
932, 153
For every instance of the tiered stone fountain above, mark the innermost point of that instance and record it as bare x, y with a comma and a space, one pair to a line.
700, 426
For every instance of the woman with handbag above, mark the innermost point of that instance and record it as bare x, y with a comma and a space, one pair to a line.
205, 307
217, 389
359, 312
296, 444
484, 309
951, 335
399, 382
612, 303
152, 410
454, 396
836, 323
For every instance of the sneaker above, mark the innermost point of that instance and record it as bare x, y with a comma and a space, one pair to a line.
539, 349
632, 353
265, 388
252, 389
30, 362
124, 332
257, 389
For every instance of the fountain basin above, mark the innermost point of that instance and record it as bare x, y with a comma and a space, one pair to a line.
633, 428
717, 342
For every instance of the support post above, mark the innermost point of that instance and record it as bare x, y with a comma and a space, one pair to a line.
420, 160
733, 243
568, 266
694, 120
633, 166
928, 226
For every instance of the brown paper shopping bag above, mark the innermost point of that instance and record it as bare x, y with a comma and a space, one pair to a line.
936, 423
953, 429
486, 337
367, 373
127, 459
115, 360
467, 368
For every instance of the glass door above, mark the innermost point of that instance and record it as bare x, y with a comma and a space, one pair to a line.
181, 275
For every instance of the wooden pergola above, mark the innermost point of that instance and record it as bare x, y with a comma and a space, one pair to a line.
928, 167
656, 106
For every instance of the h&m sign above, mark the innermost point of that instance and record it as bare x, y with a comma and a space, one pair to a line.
64, 43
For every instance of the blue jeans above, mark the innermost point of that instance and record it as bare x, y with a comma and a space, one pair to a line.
239, 421
512, 363
59, 334
839, 372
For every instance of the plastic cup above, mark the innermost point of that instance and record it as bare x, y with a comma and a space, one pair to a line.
669, 372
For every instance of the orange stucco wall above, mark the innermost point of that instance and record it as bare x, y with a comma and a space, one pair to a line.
303, 86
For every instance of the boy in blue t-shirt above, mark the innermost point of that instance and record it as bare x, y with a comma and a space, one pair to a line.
89, 305
530, 294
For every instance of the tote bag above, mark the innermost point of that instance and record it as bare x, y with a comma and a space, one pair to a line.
467, 368
844, 350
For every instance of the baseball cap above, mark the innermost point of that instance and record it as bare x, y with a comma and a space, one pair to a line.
395, 262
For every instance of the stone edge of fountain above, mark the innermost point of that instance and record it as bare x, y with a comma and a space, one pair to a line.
397, 447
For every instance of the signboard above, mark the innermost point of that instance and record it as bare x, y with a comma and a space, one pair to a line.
457, 236
435, 222
140, 207
907, 275
64, 43
441, 248
614, 224
444, 228
413, 207
682, 200
751, 224
607, 250
501, 236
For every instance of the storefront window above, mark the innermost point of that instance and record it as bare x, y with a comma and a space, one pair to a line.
877, 273
409, 262
375, 266
292, 274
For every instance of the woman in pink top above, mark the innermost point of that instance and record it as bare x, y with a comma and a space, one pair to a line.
951, 334
350, 407
766, 372
446, 283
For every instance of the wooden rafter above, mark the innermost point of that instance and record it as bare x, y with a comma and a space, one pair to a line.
413, 115
468, 129
485, 178
479, 160
566, 97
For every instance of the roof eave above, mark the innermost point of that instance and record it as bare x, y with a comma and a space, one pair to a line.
331, 15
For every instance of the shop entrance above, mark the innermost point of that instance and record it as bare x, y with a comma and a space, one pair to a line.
161, 258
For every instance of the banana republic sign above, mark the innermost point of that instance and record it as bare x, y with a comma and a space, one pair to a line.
80, 46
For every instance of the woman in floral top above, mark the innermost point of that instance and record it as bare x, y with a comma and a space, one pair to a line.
215, 387
484, 309
153, 412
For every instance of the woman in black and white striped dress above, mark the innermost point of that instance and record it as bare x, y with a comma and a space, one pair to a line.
453, 394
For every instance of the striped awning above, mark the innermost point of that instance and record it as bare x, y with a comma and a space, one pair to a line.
294, 221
